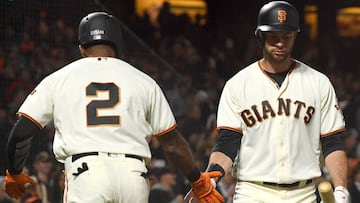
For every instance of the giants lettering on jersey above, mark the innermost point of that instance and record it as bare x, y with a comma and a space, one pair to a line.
285, 107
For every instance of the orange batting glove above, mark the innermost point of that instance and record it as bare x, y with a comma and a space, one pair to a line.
15, 184
204, 190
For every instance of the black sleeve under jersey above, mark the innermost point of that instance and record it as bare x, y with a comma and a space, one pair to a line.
19, 143
228, 142
332, 143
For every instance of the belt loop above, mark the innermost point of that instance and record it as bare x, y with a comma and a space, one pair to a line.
67, 163
302, 183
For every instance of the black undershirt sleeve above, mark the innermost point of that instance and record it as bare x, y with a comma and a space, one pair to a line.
228, 142
332, 143
19, 143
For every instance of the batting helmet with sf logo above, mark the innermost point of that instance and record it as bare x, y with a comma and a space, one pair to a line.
277, 16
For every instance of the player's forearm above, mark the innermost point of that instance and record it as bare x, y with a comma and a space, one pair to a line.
337, 165
18, 146
178, 153
224, 161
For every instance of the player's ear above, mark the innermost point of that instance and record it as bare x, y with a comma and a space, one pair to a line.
82, 51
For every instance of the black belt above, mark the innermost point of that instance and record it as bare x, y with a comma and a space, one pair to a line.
287, 185
78, 156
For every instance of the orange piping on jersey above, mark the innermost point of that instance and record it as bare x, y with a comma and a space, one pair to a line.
166, 131
262, 70
67, 187
30, 118
291, 68
228, 128
333, 132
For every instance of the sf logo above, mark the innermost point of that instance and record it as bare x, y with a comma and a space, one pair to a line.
282, 16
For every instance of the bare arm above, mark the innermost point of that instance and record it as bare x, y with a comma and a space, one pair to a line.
225, 150
337, 165
221, 159
177, 151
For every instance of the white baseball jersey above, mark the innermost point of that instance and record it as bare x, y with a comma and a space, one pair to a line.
281, 126
100, 104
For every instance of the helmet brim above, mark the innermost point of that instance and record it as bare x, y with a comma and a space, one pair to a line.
278, 27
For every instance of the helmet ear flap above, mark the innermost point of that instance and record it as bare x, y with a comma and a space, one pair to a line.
259, 37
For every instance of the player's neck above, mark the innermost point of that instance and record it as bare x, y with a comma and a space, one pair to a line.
275, 67
98, 51
101, 54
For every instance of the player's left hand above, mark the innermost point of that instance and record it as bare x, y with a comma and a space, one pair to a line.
204, 188
15, 184
341, 195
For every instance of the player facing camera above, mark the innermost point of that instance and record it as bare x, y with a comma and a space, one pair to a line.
276, 16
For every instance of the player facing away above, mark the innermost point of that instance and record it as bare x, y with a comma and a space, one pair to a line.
274, 116
104, 111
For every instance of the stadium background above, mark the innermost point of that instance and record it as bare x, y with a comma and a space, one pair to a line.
190, 55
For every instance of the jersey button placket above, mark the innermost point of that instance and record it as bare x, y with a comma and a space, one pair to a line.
282, 151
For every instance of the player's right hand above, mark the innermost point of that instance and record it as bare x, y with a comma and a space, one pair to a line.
204, 190
15, 184
341, 195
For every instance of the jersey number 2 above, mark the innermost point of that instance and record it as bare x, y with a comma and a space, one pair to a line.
94, 105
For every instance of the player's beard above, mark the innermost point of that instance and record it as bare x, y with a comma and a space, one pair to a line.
272, 57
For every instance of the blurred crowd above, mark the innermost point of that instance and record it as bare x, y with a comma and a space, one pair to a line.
201, 58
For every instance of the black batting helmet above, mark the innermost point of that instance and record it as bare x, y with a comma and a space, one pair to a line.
277, 16
100, 28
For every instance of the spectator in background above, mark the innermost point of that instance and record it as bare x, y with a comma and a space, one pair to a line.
59, 187
352, 106
351, 142
357, 119
27, 45
43, 167
4, 198
5, 127
23, 81
19, 97
43, 37
31, 191
162, 191
354, 184
192, 124
166, 20
178, 98
59, 29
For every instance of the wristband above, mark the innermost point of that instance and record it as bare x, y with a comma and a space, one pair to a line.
216, 167
194, 175
342, 189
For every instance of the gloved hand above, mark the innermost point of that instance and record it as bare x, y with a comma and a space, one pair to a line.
15, 184
341, 195
204, 188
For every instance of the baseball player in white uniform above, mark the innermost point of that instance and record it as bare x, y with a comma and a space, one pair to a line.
275, 116
105, 112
